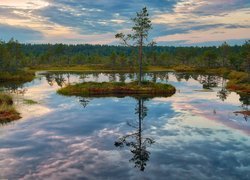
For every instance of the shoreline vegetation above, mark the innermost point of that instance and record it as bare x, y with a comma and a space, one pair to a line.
21, 76
105, 89
238, 81
8, 112
246, 113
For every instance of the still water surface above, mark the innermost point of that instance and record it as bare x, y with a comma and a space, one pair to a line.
194, 134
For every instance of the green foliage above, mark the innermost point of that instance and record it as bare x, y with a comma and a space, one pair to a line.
20, 76
239, 81
5, 99
113, 59
210, 58
11, 55
246, 57
236, 61
15, 56
224, 52
29, 101
184, 68
140, 30
142, 25
241, 77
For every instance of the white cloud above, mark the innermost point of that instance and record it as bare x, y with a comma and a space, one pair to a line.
221, 26
198, 36
24, 4
188, 14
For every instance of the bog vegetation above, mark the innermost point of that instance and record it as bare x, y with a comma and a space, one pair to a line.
146, 89
7, 110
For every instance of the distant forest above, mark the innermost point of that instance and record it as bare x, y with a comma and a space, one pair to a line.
14, 55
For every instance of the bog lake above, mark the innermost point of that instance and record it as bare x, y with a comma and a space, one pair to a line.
194, 134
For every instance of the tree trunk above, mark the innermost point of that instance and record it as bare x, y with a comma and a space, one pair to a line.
140, 61
140, 129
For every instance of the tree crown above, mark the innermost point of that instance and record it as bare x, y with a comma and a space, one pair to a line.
140, 30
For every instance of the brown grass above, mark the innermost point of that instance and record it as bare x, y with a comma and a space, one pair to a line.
7, 110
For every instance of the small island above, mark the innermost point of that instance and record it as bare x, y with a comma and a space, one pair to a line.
138, 39
95, 89
7, 110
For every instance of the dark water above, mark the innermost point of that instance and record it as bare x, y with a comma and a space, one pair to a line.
194, 134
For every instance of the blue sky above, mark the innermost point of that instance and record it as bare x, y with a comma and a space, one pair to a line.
175, 22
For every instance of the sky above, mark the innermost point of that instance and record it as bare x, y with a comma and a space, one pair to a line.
175, 22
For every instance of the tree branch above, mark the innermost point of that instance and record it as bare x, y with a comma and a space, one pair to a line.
124, 38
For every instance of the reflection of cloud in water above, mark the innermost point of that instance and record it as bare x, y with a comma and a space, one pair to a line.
70, 142
73, 157
206, 104
40, 92
180, 153
33, 111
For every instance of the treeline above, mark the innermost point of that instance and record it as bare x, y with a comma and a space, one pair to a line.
14, 55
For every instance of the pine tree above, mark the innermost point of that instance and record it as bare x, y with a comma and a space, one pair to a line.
139, 35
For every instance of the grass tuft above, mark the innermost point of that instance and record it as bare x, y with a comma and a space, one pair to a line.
7, 110
29, 101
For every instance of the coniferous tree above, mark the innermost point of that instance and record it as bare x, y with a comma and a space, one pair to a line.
139, 35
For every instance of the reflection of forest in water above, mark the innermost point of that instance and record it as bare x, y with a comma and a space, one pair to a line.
208, 82
61, 79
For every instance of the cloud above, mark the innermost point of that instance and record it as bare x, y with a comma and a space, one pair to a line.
196, 22
24, 4
199, 36
20, 33
97, 21
211, 7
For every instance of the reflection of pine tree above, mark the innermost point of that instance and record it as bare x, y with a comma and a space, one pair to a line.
180, 76
131, 76
112, 77
163, 76
223, 93
154, 79
95, 76
55, 78
122, 77
84, 101
209, 81
83, 77
60, 80
50, 79
68, 78
195, 76
245, 100
136, 142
